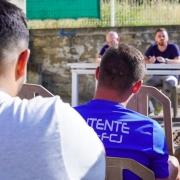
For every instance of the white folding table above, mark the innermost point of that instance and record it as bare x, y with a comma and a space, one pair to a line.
89, 68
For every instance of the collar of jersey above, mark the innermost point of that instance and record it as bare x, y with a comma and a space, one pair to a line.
104, 102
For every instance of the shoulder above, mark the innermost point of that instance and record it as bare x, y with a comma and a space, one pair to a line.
154, 123
51, 112
137, 115
103, 49
145, 120
172, 45
45, 104
82, 108
152, 46
105, 46
37, 108
151, 49
174, 49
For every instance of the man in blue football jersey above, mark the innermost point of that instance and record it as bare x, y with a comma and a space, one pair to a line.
126, 133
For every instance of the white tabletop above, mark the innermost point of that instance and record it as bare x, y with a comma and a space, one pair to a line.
89, 68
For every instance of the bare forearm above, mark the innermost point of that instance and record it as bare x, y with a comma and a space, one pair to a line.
173, 61
149, 60
98, 59
176, 60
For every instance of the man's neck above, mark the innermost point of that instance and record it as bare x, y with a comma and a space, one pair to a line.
162, 48
9, 88
111, 95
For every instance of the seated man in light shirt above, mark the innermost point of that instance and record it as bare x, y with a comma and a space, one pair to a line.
41, 138
112, 39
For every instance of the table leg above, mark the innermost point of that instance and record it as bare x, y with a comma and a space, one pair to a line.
74, 94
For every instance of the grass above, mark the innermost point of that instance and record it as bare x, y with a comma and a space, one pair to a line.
150, 12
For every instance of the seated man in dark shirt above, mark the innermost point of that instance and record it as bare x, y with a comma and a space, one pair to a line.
162, 52
126, 133
112, 39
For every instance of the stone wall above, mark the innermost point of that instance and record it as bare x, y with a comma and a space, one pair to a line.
54, 50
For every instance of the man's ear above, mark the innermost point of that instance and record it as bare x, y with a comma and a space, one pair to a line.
97, 73
118, 38
167, 37
137, 86
22, 62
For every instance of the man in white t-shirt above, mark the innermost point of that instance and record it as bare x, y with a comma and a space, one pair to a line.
41, 138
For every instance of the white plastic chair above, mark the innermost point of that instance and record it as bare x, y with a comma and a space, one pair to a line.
139, 103
29, 91
115, 167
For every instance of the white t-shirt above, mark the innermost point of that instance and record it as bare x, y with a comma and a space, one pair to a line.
46, 139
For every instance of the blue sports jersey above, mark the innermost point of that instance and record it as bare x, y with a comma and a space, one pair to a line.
103, 50
128, 134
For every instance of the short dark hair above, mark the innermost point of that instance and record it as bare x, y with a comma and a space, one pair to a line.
160, 30
121, 66
13, 27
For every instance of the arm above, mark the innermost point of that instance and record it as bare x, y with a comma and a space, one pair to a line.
176, 60
98, 59
149, 55
174, 169
103, 50
150, 60
146, 59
